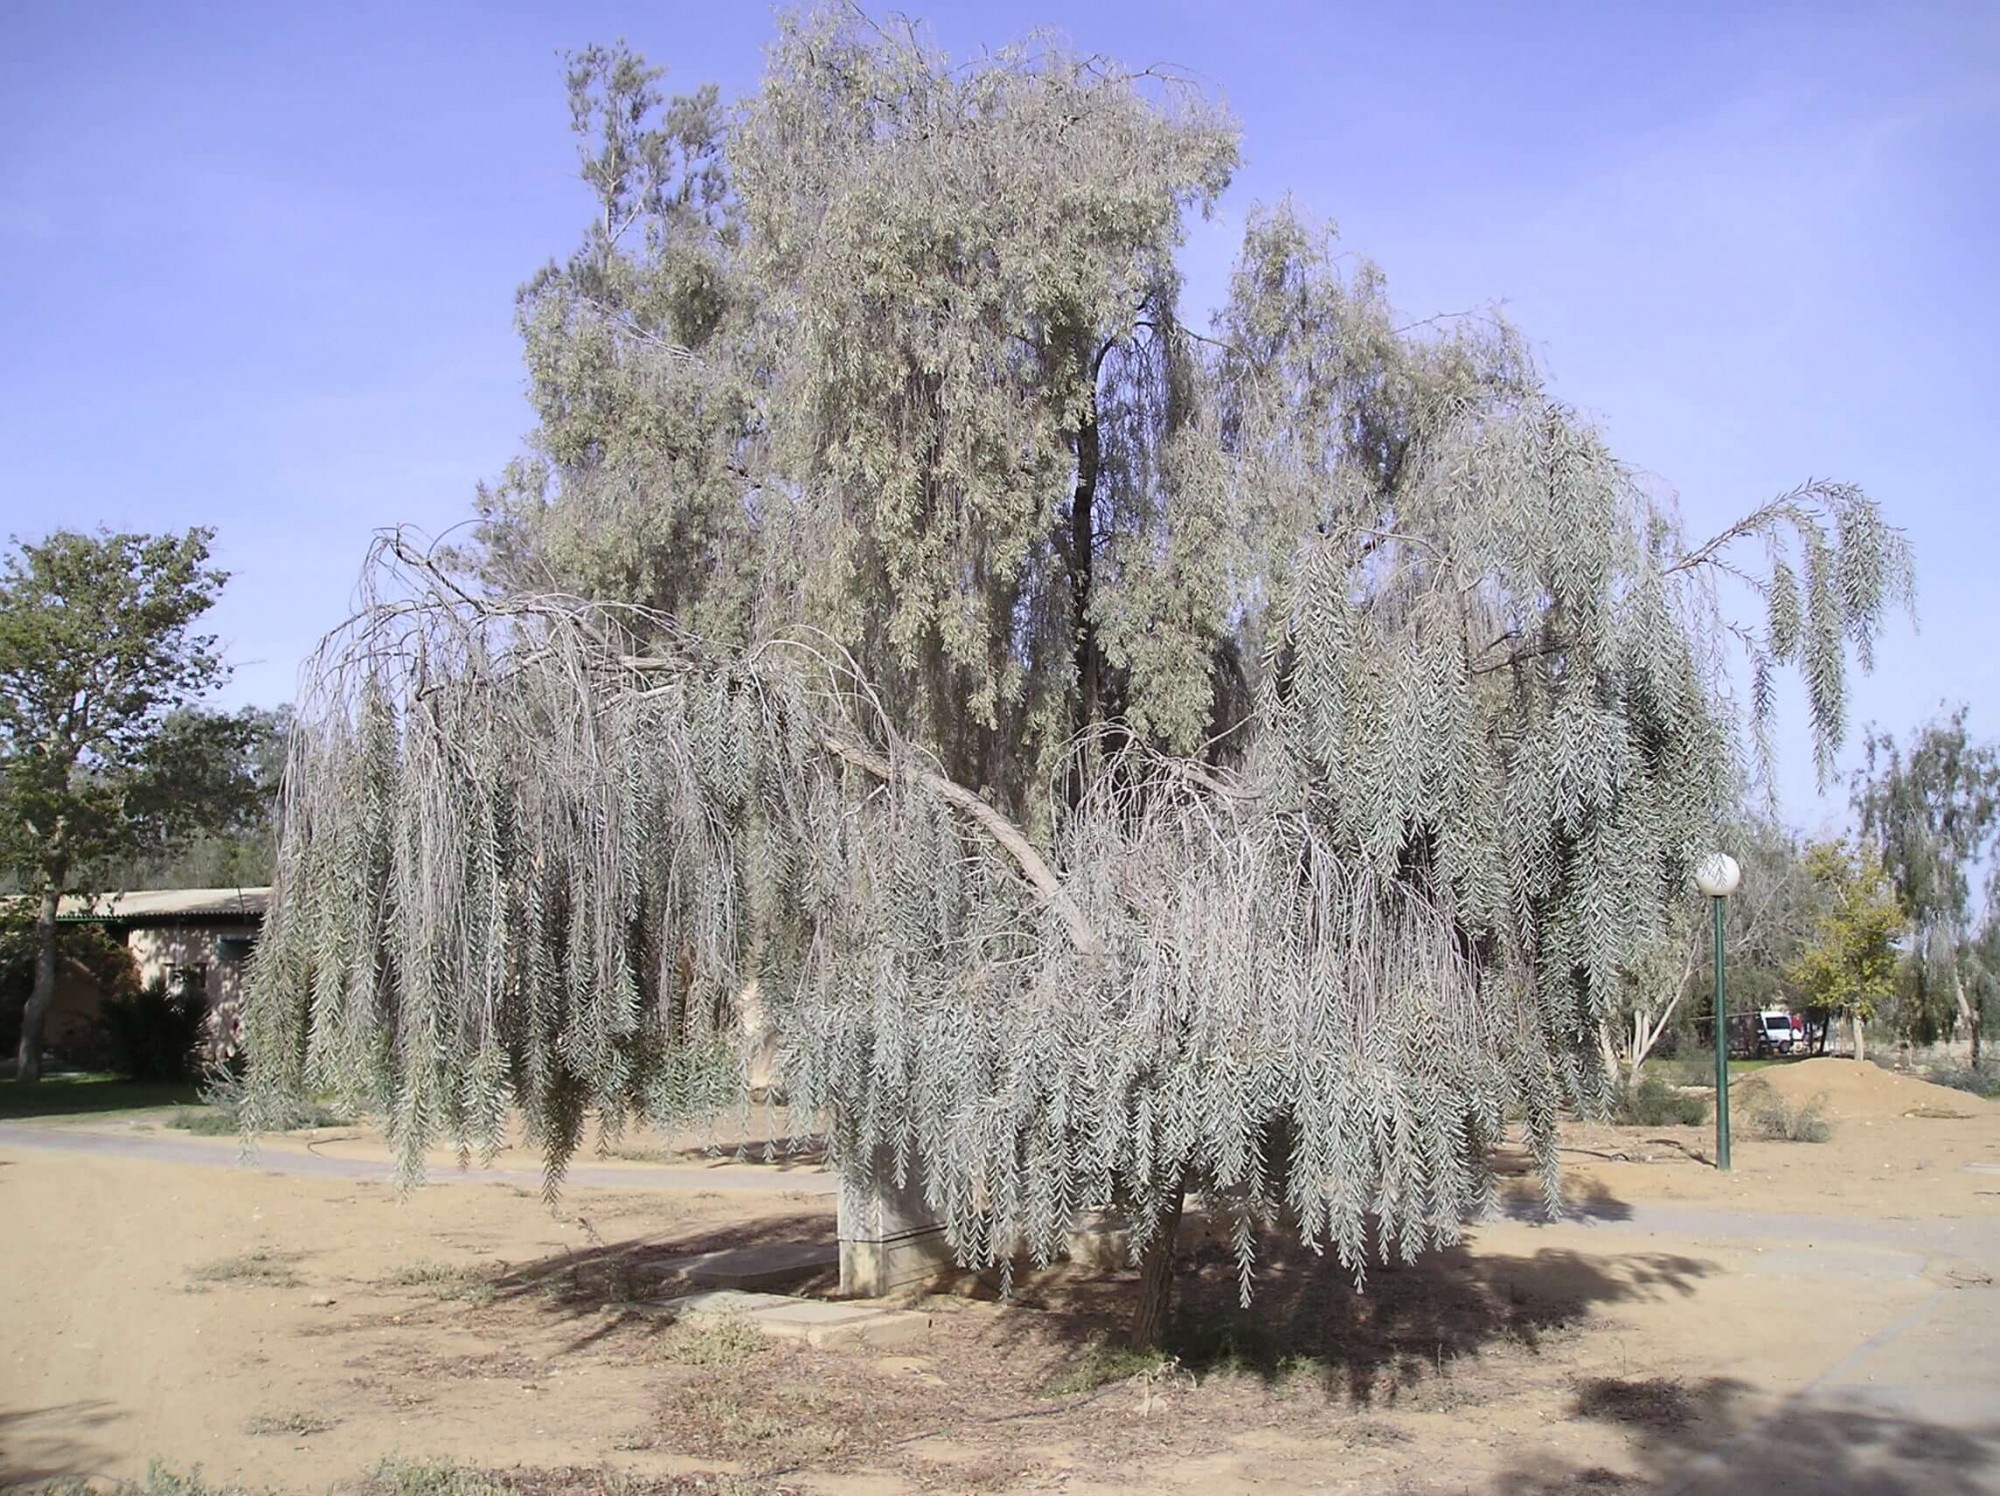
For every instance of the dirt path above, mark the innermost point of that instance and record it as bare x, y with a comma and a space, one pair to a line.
1825, 1319
353, 1156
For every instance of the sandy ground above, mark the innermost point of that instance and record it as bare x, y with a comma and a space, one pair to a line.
1822, 1318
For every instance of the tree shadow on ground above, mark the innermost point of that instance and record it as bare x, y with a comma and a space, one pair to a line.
1716, 1438
1403, 1326
39, 1444
610, 1284
1366, 1343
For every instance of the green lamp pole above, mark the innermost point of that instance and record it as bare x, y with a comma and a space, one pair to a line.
1719, 877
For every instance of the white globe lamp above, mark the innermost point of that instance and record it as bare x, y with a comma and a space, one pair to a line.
1718, 876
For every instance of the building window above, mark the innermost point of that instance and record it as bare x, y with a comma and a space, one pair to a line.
231, 949
192, 978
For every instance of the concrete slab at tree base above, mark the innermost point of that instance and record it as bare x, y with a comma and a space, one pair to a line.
814, 1321
768, 1265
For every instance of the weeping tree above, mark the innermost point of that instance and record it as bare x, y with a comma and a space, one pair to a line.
1126, 760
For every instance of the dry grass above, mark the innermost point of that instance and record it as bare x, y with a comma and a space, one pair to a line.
712, 1340
441, 1280
298, 1424
272, 1269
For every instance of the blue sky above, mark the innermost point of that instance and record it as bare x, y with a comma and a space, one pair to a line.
259, 261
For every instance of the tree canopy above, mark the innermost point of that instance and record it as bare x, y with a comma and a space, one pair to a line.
1849, 966
1126, 758
104, 753
1933, 814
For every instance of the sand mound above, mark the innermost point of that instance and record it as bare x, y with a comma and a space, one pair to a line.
1857, 1090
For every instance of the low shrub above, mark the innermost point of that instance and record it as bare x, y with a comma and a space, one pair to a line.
222, 1095
1981, 1080
152, 1034
712, 1340
1655, 1103
1777, 1120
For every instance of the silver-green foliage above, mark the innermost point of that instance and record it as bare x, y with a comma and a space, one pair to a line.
1402, 706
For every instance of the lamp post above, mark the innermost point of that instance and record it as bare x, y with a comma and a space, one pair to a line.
1719, 877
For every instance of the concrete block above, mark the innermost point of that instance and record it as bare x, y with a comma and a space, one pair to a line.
888, 1237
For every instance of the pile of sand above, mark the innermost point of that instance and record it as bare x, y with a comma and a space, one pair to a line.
1856, 1090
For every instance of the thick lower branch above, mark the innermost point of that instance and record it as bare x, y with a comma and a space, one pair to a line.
1034, 867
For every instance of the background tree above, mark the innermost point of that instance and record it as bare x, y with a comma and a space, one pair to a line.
103, 753
1933, 814
239, 849
1850, 965
1246, 761
1767, 926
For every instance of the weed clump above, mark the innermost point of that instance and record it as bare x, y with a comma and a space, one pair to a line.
440, 1280
1103, 1360
272, 1268
299, 1424
712, 1340
1777, 1120
1655, 1103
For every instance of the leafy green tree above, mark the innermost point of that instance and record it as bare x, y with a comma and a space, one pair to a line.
1128, 759
236, 852
1850, 965
104, 755
1933, 813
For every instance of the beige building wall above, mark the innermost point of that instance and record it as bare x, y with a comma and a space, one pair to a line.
220, 952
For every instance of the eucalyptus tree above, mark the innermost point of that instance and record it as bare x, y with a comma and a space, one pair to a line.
1143, 760
1933, 813
894, 352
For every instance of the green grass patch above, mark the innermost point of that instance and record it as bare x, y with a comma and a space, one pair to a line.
1657, 1102
1103, 1360
1697, 1068
87, 1095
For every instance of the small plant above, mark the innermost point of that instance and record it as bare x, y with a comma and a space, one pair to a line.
1656, 1402
441, 1280
1777, 1120
395, 1477
253, 1267
222, 1095
299, 1424
712, 1340
161, 1480
1655, 1103
1101, 1361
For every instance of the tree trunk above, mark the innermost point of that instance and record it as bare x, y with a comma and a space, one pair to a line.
1156, 1275
35, 1017
1967, 1014
1860, 1039
1083, 565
